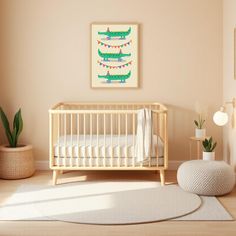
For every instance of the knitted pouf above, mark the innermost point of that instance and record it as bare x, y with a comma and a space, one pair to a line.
209, 178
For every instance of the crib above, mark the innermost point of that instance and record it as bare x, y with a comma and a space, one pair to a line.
102, 136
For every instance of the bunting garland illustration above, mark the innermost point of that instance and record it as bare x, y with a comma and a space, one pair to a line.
114, 46
114, 67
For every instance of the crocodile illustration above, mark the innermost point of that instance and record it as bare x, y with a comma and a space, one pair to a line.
110, 78
115, 34
107, 56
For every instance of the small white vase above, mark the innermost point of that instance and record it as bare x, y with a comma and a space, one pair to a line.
200, 133
208, 156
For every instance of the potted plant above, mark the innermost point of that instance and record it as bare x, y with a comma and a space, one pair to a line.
208, 149
200, 132
16, 160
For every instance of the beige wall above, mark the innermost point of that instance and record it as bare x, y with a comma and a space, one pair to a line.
46, 60
229, 23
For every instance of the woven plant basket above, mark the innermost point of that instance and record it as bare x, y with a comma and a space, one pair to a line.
16, 163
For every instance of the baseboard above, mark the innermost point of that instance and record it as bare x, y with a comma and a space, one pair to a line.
44, 165
174, 165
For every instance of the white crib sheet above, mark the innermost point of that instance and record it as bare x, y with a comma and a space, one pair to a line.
92, 150
68, 146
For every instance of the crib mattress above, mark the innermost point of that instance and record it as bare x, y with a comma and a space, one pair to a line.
94, 150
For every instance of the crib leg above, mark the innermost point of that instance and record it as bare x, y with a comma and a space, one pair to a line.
162, 177
55, 176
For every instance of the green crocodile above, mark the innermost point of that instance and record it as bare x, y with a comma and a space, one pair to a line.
107, 56
115, 34
109, 77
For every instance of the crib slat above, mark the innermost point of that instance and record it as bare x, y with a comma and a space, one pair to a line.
133, 146
165, 141
141, 163
91, 137
98, 154
111, 124
126, 140
51, 143
104, 134
71, 139
157, 150
78, 151
119, 139
65, 146
84, 156
150, 153
58, 138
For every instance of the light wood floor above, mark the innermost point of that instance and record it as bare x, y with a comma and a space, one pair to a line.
169, 228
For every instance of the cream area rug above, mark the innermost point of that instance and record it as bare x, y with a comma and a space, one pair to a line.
121, 202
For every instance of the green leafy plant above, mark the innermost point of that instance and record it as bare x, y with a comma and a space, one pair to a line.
12, 136
209, 145
200, 122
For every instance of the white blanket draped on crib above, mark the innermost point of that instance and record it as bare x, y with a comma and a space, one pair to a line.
144, 147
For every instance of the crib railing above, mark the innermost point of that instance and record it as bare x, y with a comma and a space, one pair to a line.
82, 133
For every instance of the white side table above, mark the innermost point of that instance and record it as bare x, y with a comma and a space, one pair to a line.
198, 142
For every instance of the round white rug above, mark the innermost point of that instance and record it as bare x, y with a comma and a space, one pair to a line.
115, 202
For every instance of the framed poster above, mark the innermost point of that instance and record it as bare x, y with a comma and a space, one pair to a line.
114, 55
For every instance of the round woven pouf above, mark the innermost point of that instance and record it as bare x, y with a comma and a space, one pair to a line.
210, 178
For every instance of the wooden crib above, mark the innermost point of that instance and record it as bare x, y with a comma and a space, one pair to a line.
102, 136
